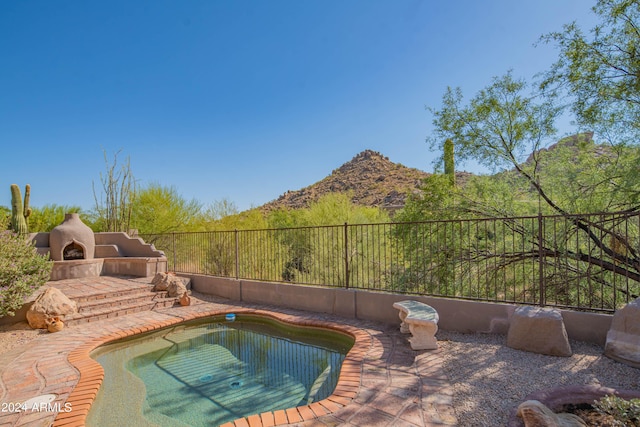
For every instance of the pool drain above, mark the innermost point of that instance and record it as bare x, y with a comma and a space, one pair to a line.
206, 378
235, 384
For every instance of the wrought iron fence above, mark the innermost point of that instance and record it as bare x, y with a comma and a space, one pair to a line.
587, 262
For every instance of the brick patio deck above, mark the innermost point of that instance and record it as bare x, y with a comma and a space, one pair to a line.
383, 382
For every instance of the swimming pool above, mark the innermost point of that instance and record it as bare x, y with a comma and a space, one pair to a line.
210, 372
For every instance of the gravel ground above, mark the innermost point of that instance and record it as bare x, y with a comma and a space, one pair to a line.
17, 334
490, 379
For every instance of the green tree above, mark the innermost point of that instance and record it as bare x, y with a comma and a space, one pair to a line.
337, 208
220, 209
46, 218
319, 257
585, 177
497, 128
160, 209
435, 201
330, 209
599, 72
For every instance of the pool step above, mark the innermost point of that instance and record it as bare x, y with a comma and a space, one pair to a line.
92, 308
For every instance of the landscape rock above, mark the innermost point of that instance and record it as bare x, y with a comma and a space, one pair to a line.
162, 281
185, 300
50, 303
175, 287
623, 338
54, 324
538, 330
536, 414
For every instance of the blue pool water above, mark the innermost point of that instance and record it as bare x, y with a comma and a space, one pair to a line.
204, 374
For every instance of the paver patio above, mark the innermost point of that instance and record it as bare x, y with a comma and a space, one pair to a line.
383, 382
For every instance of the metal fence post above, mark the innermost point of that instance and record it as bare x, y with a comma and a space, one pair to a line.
346, 256
237, 255
173, 244
541, 284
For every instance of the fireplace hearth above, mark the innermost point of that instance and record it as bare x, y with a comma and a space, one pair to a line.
72, 251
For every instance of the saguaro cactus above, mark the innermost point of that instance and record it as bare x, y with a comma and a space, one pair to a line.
449, 167
20, 211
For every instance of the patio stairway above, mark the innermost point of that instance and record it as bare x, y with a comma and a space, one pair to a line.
115, 303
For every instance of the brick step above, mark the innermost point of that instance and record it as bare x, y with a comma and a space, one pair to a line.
106, 311
118, 301
112, 294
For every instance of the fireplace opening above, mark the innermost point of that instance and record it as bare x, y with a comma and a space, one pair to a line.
73, 251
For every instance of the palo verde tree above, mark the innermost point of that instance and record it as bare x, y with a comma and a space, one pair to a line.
498, 128
47, 217
161, 209
599, 72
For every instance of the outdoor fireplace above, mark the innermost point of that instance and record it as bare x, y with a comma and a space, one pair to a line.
76, 252
71, 240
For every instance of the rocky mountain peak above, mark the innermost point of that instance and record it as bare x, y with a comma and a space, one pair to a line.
370, 178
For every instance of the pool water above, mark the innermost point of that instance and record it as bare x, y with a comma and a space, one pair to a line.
204, 374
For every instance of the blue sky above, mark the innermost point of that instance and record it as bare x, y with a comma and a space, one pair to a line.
243, 99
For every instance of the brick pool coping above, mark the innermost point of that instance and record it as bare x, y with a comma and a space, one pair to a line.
92, 373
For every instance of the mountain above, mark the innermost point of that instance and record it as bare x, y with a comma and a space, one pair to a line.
370, 178
373, 180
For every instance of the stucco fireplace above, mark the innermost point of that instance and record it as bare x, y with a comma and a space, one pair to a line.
71, 240
79, 252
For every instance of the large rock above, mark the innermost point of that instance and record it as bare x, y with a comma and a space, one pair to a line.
174, 285
176, 288
535, 414
160, 282
50, 303
538, 330
623, 338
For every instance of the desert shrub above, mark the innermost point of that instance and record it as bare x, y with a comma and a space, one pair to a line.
22, 271
626, 413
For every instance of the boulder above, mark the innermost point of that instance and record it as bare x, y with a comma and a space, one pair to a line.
162, 282
50, 303
176, 288
623, 338
538, 330
535, 414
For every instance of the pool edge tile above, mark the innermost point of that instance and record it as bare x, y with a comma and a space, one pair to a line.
349, 382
